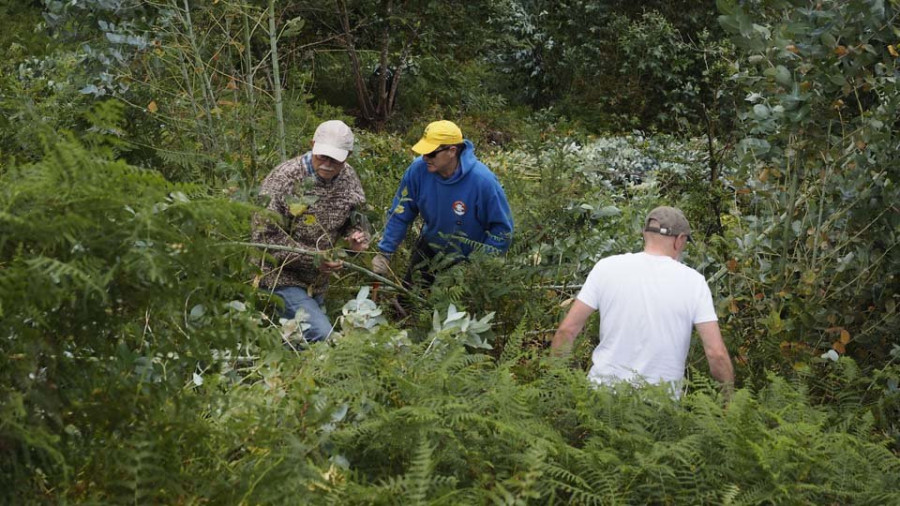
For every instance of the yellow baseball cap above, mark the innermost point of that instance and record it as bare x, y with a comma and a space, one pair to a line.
437, 134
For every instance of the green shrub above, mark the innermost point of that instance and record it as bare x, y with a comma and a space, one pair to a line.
813, 268
115, 286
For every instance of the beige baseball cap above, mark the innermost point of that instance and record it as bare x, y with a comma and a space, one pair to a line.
334, 139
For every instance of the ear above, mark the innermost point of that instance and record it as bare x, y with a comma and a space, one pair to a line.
680, 242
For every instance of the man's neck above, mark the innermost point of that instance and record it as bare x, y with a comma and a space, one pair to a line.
660, 252
448, 176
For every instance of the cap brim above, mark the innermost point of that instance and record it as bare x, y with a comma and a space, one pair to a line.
423, 147
330, 151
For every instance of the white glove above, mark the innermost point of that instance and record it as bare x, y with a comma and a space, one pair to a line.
381, 265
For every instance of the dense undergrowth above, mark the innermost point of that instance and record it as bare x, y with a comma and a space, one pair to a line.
139, 365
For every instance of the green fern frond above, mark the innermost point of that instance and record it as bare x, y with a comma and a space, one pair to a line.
417, 480
191, 161
61, 272
760, 493
142, 471
728, 496
512, 348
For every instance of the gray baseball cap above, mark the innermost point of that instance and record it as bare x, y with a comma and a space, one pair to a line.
670, 222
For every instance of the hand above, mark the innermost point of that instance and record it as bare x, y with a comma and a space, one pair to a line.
381, 265
358, 240
328, 266
727, 391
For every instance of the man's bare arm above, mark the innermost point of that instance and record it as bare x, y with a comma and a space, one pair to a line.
570, 327
716, 354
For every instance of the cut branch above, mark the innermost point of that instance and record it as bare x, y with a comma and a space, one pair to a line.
318, 254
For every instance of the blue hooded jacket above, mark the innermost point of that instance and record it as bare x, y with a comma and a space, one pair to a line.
469, 204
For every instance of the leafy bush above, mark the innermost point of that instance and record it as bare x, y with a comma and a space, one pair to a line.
813, 268
617, 65
115, 286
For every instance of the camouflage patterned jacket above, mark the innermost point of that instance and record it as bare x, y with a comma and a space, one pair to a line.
310, 213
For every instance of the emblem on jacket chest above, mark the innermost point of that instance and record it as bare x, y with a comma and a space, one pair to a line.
459, 208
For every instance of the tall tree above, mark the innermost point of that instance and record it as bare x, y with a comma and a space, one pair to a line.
384, 39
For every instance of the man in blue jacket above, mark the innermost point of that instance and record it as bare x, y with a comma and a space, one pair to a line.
459, 198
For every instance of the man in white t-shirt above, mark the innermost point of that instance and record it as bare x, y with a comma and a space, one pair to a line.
648, 302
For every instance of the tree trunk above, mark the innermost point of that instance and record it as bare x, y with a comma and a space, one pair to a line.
395, 83
276, 80
199, 67
715, 204
248, 85
381, 107
362, 92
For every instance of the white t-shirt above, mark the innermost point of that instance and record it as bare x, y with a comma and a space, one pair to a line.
648, 305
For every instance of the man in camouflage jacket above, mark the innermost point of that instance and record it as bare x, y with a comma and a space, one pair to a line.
314, 197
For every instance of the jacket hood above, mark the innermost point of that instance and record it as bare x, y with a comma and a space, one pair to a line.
467, 161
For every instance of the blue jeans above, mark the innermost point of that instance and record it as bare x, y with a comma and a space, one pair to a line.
294, 298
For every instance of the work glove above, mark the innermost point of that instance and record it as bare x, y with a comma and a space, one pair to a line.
381, 265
